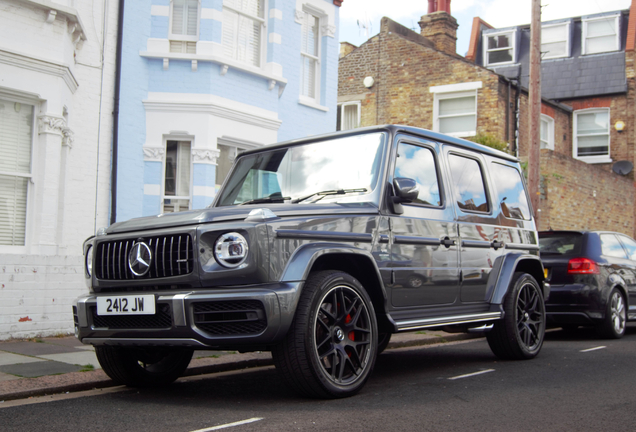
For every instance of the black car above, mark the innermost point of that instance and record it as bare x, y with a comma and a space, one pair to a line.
592, 275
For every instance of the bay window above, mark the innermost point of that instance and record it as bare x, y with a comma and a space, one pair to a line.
243, 30
16, 138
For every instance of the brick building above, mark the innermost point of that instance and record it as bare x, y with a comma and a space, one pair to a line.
401, 76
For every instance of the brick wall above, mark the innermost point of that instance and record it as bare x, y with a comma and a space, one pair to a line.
577, 195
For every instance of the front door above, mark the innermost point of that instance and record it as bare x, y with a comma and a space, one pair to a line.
424, 252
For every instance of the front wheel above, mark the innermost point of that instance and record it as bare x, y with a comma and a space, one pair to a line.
330, 349
519, 335
143, 367
613, 326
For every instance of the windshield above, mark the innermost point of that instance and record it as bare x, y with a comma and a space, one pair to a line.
339, 170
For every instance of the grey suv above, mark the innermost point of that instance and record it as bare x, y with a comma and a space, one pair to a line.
318, 250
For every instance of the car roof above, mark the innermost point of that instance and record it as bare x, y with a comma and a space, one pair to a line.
393, 130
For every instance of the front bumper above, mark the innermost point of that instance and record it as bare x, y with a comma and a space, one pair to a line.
245, 319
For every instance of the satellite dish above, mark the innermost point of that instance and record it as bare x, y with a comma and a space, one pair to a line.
623, 167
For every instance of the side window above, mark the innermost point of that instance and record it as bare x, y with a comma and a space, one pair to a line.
512, 195
610, 246
418, 163
468, 184
630, 245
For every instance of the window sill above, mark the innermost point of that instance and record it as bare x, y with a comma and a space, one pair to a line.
595, 159
225, 63
311, 104
460, 134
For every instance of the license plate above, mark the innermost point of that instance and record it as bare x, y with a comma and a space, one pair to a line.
126, 305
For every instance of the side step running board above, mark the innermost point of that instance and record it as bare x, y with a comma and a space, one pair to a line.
442, 321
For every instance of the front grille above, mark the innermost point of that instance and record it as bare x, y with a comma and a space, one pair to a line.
172, 255
160, 320
225, 318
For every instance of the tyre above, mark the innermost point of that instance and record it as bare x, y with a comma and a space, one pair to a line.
137, 367
613, 326
383, 341
330, 348
519, 335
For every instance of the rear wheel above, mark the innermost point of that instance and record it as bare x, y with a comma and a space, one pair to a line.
330, 349
613, 327
519, 335
143, 367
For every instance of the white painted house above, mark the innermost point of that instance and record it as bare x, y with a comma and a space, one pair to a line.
57, 72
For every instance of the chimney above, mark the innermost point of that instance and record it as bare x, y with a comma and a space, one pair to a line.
440, 27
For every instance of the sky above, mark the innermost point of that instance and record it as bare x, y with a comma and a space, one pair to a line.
498, 13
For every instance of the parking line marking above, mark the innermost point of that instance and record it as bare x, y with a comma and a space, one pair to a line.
229, 425
472, 374
593, 349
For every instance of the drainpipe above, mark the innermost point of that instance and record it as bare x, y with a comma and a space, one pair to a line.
113, 172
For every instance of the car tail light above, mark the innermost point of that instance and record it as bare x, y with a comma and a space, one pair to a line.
582, 266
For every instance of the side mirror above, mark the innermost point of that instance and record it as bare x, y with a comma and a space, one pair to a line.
406, 190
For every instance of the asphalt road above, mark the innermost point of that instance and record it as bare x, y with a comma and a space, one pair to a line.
578, 383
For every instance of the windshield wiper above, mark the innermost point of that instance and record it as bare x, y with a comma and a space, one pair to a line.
328, 192
268, 199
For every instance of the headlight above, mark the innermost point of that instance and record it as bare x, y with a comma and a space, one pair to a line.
230, 250
89, 261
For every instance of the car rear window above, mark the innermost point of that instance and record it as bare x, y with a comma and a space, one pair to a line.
560, 244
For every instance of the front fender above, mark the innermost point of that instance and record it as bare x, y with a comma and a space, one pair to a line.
303, 258
504, 269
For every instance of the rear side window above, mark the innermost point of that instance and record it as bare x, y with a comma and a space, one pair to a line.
560, 244
630, 245
610, 246
468, 184
418, 163
512, 195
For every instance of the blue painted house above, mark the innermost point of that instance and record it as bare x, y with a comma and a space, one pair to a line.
204, 79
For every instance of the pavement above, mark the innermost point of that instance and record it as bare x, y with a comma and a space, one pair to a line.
53, 365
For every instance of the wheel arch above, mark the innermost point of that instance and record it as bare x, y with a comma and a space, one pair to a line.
357, 262
504, 269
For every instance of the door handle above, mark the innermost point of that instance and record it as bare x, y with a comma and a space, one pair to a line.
446, 241
496, 245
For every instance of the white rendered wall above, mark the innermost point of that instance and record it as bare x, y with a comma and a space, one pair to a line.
59, 67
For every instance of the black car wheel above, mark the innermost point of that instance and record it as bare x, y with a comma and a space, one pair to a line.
330, 349
519, 335
613, 326
137, 367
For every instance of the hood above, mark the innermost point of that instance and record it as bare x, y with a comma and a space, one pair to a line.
234, 213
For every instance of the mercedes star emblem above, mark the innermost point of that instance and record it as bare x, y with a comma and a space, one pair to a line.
139, 259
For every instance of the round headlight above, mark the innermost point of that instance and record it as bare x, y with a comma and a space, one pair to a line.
230, 250
89, 261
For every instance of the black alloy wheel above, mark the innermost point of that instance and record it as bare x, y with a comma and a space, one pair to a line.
330, 350
519, 335
613, 326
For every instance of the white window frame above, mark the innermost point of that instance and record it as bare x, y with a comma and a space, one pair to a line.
184, 38
163, 171
513, 47
263, 39
591, 159
452, 91
238, 144
18, 97
567, 41
549, 144
341, 108
322, 17
584, 37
